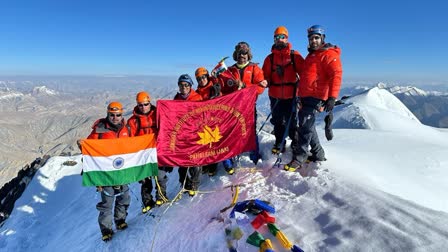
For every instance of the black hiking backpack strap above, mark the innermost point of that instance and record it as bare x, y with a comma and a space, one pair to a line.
129, 130
100, 128
137, 122
291, 54
146, 129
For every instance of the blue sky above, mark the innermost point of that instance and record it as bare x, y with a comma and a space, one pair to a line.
379, 39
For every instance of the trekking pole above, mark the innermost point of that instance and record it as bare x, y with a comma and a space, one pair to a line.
293, 111
267, 118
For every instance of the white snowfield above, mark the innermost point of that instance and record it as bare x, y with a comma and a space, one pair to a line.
382, 189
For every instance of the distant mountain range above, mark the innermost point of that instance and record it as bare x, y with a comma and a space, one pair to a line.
48, 116
430, 107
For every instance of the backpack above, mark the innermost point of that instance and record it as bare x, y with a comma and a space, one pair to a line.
272, 61
138, 123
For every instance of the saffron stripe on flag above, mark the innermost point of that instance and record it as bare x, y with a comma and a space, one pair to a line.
109, 147
119, 177
111, 163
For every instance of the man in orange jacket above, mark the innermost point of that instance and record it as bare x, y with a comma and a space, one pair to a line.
143, 121
319, 87
113, 126
281, 69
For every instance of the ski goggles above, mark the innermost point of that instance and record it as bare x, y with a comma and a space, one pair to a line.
279, 36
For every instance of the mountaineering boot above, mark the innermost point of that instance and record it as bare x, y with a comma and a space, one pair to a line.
229, 166
212, 170
254, 157
212, 173
276, 150
161, 200
292, 166
145, 209
107, 235
148, 206
191, 193
121, 225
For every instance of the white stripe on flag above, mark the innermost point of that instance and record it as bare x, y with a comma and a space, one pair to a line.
128, 160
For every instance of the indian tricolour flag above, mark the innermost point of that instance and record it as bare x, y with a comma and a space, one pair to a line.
220, 67
108, 162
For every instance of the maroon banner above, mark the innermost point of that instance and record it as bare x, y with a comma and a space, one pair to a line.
206, 132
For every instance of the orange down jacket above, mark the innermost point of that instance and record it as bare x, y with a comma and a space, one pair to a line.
281, 74
205, 92
322, 74
141, 124
102, 129
193, 96
250, 75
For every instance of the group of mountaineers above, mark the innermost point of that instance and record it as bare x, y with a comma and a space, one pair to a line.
298, 89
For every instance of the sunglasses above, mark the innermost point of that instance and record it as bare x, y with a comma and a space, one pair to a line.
143, 104
243, 52
203, 77
314, 37
114, 115
183, 85
280, 36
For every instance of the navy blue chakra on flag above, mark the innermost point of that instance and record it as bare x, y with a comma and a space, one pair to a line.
118, 162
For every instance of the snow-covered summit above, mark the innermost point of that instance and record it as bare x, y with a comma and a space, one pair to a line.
43, 90
7, 94
408, 90
375, 109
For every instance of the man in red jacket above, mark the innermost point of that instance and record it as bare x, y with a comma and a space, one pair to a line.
113, 126
186, 93
281, 69
244, 73
143, 121
320, 83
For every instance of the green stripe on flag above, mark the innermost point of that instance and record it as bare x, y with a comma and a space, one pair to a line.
119, 177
